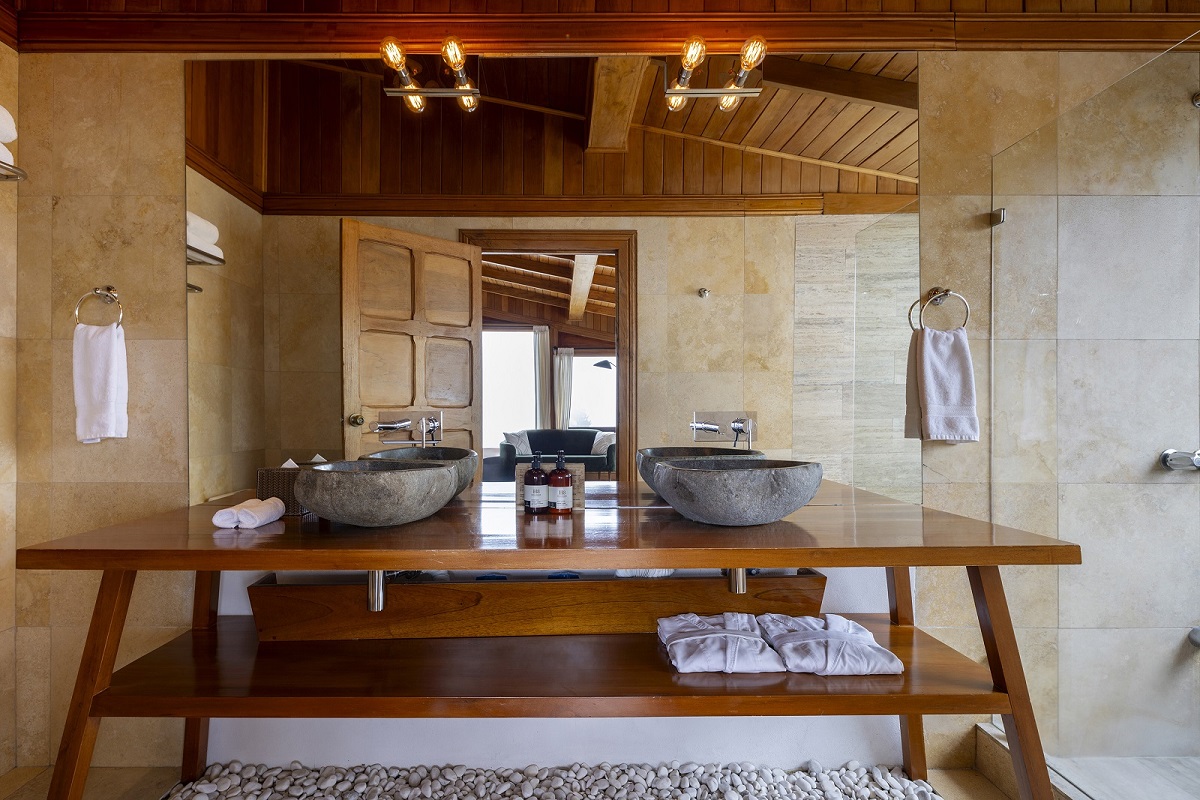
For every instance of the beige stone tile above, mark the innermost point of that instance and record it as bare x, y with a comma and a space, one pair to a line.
944, 599
94, 505
1082, 76
208, 476
8, 260
769, 333
210, 319
966, 462
1029, 507
1104, 409
34, 221
768, 395
33, 513
956, 251
966, 499
34, 409
271, 344
1025, 269
161, 600
1039, 658
33, 597
241, 230
135, 243
247, 333
1100, 239
653, 250
8, 410
950, 740
33, 696
310, 333
770, 265
1134, 138
963, 784
666, 402
157, 446
248, 410
703, 334
306, 253
1006, 95
35, 83
271, 410
244, 466
1025, 427
1111, 589
1128, 692
8, 699
310, 411
210, 422
707, 252
1029, 167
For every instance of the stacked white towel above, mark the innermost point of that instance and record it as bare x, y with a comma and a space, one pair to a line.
940, 391
250, 514
8, 134
729, 642
833, 646
203, 235
101, 379
6, 156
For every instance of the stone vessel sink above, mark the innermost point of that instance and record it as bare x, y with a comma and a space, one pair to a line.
736, 491
465, 461
373, 493
647, 457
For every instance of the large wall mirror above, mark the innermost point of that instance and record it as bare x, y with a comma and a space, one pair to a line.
775, 246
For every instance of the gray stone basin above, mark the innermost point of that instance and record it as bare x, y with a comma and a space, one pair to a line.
465, 461
736, 491
374, 493
647, 457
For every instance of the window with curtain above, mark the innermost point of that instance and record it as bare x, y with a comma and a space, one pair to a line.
594, 392
509, 384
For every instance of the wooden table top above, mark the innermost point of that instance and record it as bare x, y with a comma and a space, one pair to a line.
621, 528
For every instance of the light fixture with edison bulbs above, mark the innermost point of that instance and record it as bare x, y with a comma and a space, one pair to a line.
415, 96
754, 50
692, 55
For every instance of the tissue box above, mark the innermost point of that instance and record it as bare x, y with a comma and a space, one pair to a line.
281, 482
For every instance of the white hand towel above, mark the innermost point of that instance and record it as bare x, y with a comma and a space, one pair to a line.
201, 232
727, 642
833, 646
912, 395
946, 383
101, 383
8, 127
6, 156
250, 514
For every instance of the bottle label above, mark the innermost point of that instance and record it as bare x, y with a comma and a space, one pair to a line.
537, 496
561, 497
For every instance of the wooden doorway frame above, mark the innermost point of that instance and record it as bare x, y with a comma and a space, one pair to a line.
573, 242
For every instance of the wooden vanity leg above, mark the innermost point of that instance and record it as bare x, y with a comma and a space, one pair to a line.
1000, 641
205, 599
912, 727
95, 672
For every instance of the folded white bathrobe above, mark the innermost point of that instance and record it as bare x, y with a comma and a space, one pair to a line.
832, 646
250, 514
729, 642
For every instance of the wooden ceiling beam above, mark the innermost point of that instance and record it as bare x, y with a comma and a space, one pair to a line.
840, 84
532, 279
563, 270
616, 83
509, 290
581, 285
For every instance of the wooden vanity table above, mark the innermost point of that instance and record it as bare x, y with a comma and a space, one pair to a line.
220, 669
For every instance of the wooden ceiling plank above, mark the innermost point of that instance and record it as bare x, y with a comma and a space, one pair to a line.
818, 121
862, 130
838, 127
905, 139
532, 280
518, 293
786, 156
554, 267
840, 84
777, 108
616, 89
872, 144
581, 285
901, 67
746, 114
805, 106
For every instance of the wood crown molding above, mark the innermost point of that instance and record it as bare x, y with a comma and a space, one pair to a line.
219, 174
8, 26
1075, 31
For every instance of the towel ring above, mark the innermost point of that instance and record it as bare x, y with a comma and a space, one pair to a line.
937, 295
109, 295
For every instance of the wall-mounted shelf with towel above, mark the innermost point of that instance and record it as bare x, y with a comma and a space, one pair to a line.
197, 256
109, 295
935, 296
11, 172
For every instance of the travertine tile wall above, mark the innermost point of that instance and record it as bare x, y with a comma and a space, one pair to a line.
731, 350
226, 388
8, 431
101, 136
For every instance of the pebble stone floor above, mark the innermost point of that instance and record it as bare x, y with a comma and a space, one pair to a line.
671, 781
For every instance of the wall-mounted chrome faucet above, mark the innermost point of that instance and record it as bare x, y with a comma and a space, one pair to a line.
707, 427
724, 426
383, 427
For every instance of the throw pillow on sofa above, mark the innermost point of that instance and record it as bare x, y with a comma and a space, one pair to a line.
519, 440
603, 440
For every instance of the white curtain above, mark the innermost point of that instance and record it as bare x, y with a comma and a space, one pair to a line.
543, 374
564, 363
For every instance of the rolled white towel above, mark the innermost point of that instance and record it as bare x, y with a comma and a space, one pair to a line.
8, 126
201, 232
833, 646
250, 514
211, 249
6, 155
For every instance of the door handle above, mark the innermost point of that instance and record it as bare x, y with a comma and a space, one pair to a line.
1179, 459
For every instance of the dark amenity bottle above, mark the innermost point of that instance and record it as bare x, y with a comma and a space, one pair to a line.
561, 496
537, 489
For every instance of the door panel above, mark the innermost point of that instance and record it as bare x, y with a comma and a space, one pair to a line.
412, 328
